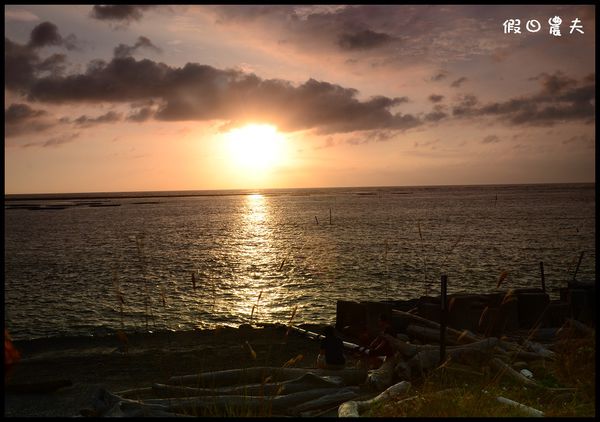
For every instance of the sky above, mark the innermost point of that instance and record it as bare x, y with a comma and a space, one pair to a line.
198, 97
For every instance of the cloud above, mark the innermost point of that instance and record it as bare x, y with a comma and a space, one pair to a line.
46, 34
457, 83
442, 74
557, 82
21, 119
559, 99
372, 136
201, 92
53, 142
22, 63
363, 40
141, 115
490, 139
580, 141
435, 116
123, 50
434, 98
85, 121
122, 13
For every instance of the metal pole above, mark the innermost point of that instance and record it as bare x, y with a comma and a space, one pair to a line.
543, 279
443, 314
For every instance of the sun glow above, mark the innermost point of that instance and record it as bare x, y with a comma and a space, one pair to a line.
255, 147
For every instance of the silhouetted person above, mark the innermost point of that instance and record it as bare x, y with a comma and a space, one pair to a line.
331, 354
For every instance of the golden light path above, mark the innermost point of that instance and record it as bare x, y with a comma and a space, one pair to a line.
255, 146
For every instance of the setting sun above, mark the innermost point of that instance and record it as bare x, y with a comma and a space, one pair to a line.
255, 146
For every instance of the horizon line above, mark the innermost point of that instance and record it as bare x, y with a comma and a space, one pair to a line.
251, 190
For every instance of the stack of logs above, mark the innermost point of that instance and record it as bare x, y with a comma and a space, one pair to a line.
273, 391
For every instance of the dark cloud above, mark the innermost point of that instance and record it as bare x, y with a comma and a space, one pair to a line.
141, 115
371, 136
559, 99
53, 142
22, 63
21, 119
490, 139
122, 13
123, 50
16, 113
85, 121
442, 74
434, 98
435, 116
201, 92
46, 34
457, 83
55, 64
363, 40
555, 83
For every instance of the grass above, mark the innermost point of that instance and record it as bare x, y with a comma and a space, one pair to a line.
570, 391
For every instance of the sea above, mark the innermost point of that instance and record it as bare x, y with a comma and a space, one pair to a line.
94, 263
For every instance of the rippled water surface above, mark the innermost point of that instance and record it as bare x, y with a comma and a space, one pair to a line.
66, 270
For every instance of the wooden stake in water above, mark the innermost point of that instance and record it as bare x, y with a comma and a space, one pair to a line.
578, 264
543, 279
443, 314
317, 220
329, 216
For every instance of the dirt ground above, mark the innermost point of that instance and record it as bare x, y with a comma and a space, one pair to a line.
91, 363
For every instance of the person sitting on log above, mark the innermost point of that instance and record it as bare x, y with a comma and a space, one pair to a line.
331, 353
380, 346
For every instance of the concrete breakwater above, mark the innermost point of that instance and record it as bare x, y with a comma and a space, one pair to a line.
491, 314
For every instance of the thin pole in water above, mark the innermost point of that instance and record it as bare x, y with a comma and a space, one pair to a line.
578, 264
317, 220
443, 314
543, 279
329, 216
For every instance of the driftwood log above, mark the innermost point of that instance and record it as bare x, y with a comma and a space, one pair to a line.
303, 383
354, 408
530, 411
510, 372
246, 403
463, 336
259, 375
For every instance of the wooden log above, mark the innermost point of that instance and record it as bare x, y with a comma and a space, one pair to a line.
461, 336
354, 408
302, 383
257, 375
108, 404
432, 335
352, 347
250, 403
539, 349
409, 350
135, 392
382, 377
530, 411
517, 376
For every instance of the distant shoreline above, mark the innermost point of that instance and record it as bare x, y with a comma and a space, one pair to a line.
245, 192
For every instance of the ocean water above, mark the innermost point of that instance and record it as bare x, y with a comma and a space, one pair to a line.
261, 256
